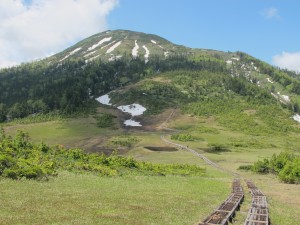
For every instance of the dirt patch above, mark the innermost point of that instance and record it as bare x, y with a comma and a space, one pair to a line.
161, 149
106, 151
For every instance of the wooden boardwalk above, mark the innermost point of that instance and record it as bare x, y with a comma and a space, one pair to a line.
224, 213
258, 212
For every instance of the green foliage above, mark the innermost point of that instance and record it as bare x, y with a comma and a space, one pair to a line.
286, 165
261, 166
208, 130
184, 137
67, 87
153, 95
231, 112
105, 120
124, 141
38, 118
19, 158
245, 167
291, 172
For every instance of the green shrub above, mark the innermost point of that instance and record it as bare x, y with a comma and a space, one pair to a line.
184, 137
19, 158
286, 165
291, 172
261, 166
124, 141
245, 167
105, 120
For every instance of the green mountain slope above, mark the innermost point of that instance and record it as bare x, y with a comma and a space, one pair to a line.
70, 81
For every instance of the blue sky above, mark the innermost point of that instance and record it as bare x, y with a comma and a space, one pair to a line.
266, 29
262, 28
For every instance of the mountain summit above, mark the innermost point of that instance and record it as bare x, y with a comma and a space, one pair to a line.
113, 45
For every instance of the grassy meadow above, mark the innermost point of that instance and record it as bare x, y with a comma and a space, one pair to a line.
87, 199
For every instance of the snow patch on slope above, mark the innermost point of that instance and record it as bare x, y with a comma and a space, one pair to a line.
132, 123
110, 43
114, 58
104, 99
146, 56
270, 81
133, 109
91, 53
135, 49
154, 42
71, 53
92, 58
284, 97
296, 117
99, 43
112, 48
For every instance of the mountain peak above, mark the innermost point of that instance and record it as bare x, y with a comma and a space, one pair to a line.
112, 45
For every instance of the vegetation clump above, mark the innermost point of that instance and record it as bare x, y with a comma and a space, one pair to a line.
105, 120
20, 158
285, 165
184, 137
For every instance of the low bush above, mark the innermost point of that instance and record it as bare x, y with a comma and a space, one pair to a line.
245, 167
184, 137
19, 158
105, 120
286, 165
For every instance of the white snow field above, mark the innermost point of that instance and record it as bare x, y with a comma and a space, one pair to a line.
133, 109
99, 43
297, 118
132, 123
92, 58
270, 81
135, 49
284, 97
154, 42
147, 53
110, 43
71, 53
91, 53
114, 58
112, 48
104, 99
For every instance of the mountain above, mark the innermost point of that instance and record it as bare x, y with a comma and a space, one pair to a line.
112, 45
71, 80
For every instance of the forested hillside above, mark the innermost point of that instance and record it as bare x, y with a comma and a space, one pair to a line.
69, 82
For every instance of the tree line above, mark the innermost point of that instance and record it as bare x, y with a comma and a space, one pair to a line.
40, 87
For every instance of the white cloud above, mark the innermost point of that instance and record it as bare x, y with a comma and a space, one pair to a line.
271, 13
288, 60
34, 30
